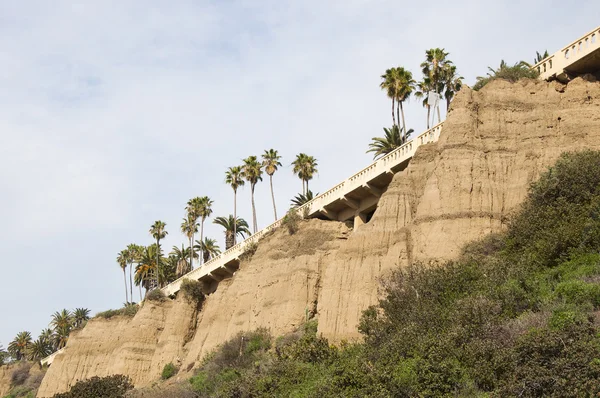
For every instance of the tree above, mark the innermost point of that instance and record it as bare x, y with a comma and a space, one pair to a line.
392, 140
271, 163
80, 316
62, 323
540, 57
189, 227
122, 261
452, 84
134, 252
399, 85
205, 212
158, 232
389, 86
3, 355
511, 73
234, 177
252, 170
433, 67
180, 256
305, 167
19, 346
209, 248
239, 227
39, 349
422, 89
302, 199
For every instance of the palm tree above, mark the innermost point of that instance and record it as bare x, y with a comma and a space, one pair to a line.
39, 349
452, 84
239, 227
253, 174
19, 346
134, 252
158, 232
271, 163
234, 177
302, 199
122, 259
182, 266
305, 167
433, 66
80, 316
205, 212
388, 85
3, 355
405, 84
392, 140
209, 248
189, 227
144, 276
422, 89
540, 57
193, 210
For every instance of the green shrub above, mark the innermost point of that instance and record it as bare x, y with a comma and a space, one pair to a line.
192, 290
156, 295
249, 251
511, 73
169, 371
291, 221
106, 387
129, 311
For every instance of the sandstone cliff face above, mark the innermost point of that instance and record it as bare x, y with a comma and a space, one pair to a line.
494, 144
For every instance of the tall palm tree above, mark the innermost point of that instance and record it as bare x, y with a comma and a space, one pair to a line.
134, 252
205, 212
158, 232
182, 266
238, 227
271, 163
19, 346
209, 248
80, 316
122, 261
144, 275
62, 319
193, 209
387, 84
422, 89
302, 199
405, 86
435, 62
452, 84
393, 139
252, 170
189, 227
234, 177
305, 167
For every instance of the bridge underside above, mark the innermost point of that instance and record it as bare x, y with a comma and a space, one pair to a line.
590, 63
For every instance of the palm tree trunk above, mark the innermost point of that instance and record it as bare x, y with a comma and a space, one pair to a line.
428, 114
201, 239
403, 123
447, 106
130, 282
157, 254
253, 208
140, 286
125, 280
393, 115
191, 253
273, 196
306, 187
234, 216
438, 113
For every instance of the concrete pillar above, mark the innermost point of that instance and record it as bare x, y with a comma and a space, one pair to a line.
359, 219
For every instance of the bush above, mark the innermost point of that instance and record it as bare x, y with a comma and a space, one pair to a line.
106, 387
156, 295
20, 375
249, 251
169, 371
291, 221
192, 290
511, 73
129, 311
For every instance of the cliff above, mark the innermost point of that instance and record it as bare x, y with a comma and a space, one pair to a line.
494, 143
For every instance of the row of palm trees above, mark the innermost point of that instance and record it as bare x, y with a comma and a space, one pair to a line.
153, 270
439, 77
50, 339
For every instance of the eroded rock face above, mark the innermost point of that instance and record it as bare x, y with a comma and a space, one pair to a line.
495, 142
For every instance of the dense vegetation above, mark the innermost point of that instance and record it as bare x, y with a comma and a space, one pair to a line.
516, 315
99, 387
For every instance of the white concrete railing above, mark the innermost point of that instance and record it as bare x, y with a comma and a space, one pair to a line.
557, 62
381, 166
50, 358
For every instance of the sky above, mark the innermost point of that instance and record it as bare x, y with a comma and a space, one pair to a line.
113, 114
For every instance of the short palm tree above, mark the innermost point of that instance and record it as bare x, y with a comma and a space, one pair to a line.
393, 139
158, 232
302, 199
252, 170
305, 167
511, 73
234, 178
181, 256
421, 92
205, 212
209, 248
122, 261
39, 349
62, 319
19, 346
452, 84
270, 164
80, 316
540, 57
134, 252
239, 227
